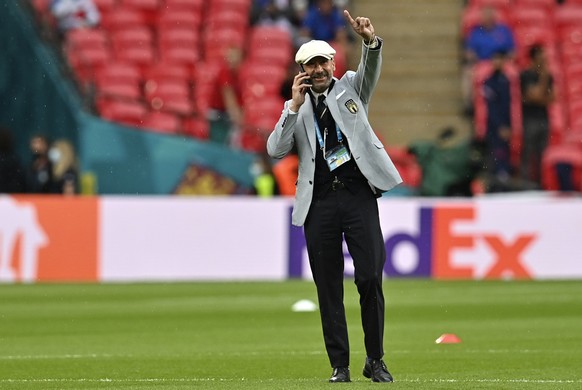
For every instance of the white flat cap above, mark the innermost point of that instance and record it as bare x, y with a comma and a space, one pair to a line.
313, 49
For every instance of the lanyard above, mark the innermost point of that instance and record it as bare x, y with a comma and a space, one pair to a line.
321, 139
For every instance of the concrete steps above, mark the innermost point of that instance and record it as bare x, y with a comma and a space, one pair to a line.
419, 90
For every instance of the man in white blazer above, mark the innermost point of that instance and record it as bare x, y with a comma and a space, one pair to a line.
343, 169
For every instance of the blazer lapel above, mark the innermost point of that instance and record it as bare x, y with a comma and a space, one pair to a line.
309, 124
334, 108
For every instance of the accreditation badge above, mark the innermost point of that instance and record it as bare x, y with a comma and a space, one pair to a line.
337, 156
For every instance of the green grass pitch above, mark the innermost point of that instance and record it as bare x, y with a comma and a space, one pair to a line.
515, 335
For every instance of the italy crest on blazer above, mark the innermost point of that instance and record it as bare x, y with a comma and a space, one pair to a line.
352, 106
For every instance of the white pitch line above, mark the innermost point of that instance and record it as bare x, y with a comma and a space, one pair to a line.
273, 380
64, 356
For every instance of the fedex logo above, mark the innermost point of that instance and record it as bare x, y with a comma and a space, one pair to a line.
433, 249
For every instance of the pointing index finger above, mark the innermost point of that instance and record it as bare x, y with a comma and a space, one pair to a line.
349, 17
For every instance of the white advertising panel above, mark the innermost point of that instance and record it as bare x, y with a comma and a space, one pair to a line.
185, 239
250, 238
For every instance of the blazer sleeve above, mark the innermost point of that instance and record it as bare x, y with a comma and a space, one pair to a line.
368, 73
281, 139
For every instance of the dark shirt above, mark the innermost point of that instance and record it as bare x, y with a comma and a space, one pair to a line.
531, 110
498, 98
41, 179
348, 173
12, 175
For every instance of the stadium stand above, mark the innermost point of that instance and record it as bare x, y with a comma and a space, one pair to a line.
153, 63
558, 28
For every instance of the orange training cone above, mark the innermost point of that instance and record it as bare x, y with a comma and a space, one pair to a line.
448, 338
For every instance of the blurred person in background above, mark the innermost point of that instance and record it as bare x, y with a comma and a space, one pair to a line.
342, 170
265, 185
276, 13
65, 167
285, 172
497, 94
73, 14
448, 165
324, 21
12, 174
226, 111
40, 170
537, 93
483, 41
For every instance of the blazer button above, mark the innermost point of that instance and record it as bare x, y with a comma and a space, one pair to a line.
312, 160
310, 182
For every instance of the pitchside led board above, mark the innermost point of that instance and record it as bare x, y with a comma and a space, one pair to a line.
106, 239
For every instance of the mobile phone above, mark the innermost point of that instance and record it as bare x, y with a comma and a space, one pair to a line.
307, 80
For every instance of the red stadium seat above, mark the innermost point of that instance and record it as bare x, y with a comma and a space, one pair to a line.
499, 4
162, 72
407, 166
120, 71
261, 80
527, 16
240, 6
142, 5
86, 38
204, 75
568, 15
143, 56
340, 59
263, 114
87, 62
575, 111
558, 122
178, 37
174, 88
185, 5
123, 18
228, 19
41, 6
181, 55
162, 122
171, 19
547, 5
571, 34
197, 127
278, 56
216, 43
179, 105
130, 38
564, 153
268, 36
574, 72
118, 88
253, 140
171, 96
127, 112
105, 6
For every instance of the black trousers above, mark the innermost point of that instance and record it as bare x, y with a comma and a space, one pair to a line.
355, 217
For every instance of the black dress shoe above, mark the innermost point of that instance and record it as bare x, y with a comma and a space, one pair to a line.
376, 370
340, 374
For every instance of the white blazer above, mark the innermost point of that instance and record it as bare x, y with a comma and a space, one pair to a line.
349, 108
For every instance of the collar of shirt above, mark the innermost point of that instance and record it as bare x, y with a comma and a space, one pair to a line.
317, 95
